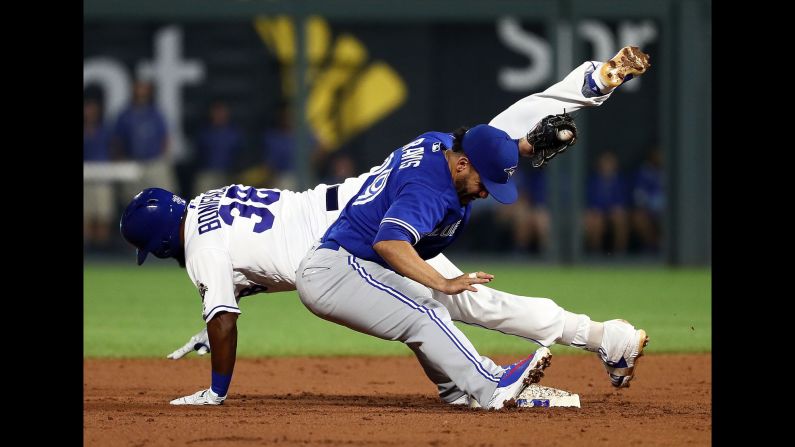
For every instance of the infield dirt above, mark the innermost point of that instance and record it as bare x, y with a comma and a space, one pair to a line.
387, 401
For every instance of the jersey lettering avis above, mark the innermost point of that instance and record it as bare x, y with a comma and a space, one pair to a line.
409, 197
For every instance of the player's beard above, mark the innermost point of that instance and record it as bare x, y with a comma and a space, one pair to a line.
464, 196
461, 183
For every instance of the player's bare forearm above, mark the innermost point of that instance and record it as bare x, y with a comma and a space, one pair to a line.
222, 330
402, 257
405, 260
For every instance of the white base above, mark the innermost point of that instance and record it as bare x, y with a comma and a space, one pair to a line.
543, 396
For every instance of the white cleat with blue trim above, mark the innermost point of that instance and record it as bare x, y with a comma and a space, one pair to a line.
519, 376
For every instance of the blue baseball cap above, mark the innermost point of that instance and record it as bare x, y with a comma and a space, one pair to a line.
495, 156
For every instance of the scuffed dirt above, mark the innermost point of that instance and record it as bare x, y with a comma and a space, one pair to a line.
388, 401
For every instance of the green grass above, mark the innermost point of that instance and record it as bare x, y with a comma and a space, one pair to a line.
149, 311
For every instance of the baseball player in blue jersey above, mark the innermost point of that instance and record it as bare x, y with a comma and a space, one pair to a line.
225, 259
369, 272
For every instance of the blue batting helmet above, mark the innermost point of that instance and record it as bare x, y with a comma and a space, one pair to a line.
151, 223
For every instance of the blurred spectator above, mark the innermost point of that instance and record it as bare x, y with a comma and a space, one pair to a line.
649, 202
278, 145
528, 217
141, 134
341, 167
606, 220
218, 145
97, 196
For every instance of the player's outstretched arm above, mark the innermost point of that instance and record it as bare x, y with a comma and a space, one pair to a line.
199, 343
222, 331
405, 260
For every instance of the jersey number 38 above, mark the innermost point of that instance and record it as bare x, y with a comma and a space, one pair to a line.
244, 195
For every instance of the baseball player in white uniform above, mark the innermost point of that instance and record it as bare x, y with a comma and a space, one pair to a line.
236, 241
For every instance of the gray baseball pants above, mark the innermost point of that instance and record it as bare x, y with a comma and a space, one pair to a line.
366, 297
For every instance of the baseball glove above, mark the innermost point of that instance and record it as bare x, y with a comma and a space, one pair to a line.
553, 135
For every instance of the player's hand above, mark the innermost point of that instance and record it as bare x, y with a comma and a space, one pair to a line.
553, 135
199, 343
203, 397
466, 281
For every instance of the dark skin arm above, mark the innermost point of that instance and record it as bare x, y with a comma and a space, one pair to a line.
222, 330
405, 260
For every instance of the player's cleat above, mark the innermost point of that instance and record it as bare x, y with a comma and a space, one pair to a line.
463, 400
519, 376
621, 347
203, 397
629, 62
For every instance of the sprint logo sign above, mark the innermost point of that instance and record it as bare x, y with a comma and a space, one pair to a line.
348, 92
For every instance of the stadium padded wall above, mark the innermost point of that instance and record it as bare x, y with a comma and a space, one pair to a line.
425, 45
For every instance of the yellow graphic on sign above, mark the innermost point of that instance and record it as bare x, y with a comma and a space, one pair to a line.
347, 95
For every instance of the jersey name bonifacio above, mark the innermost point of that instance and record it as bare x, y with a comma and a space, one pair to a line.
410, 197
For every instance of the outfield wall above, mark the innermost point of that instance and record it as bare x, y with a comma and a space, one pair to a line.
383, 72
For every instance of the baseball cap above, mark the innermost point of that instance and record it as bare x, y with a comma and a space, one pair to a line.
495, 156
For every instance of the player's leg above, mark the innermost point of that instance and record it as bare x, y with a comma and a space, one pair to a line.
588, 85
521, 220
566, 95
448, 391
537, 319
104, 205
643, 225
595, 227
619, 220
368, 298
541, 320
541, 224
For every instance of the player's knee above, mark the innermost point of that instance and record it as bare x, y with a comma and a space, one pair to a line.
433, 313
440, 311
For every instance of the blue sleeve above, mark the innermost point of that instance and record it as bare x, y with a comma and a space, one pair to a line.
416, 211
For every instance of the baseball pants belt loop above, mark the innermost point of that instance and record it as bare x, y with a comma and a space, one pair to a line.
332, 200
331, 245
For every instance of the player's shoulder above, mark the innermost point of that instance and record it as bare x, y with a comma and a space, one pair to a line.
423, 164
436, 141
428, 143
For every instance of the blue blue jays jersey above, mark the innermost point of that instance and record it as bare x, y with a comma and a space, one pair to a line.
410, 197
